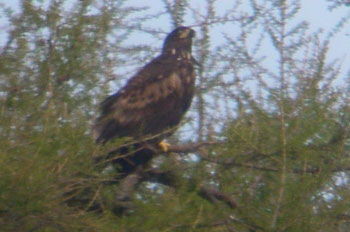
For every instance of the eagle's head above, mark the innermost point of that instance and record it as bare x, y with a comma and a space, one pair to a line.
179, 40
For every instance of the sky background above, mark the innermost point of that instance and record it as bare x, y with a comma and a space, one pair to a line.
315, 12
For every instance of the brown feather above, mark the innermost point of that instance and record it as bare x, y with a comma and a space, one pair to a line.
156, 98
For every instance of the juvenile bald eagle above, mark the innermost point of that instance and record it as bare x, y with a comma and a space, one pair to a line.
156, 98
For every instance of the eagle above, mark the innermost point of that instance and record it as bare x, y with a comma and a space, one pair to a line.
155, 99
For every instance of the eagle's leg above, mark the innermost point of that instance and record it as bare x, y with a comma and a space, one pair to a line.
164, 146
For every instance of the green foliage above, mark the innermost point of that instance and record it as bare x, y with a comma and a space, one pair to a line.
53, 60
282, 157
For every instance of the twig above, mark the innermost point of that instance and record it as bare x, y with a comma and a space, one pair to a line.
94, 197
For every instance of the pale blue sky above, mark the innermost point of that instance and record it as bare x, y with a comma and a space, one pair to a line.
313, 11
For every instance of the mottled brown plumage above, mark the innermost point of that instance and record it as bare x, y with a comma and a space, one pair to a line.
156, 98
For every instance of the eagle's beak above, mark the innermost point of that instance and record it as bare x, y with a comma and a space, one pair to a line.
188, 33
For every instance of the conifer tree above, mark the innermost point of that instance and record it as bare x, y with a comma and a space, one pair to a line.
264, 147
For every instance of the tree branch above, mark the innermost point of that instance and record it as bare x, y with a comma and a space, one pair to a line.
214, 195
192, 147
198, 149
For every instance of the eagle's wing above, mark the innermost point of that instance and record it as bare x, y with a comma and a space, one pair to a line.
155, 98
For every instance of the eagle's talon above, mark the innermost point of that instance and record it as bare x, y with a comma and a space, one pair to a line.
164, 146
